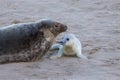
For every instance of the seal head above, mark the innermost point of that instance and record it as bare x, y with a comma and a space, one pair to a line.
53, 26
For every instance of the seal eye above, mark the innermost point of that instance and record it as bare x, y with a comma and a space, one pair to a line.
56, 26
67, 39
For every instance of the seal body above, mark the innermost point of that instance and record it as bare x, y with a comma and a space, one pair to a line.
28, 41
69, 46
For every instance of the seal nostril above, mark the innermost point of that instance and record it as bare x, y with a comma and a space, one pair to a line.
61, 42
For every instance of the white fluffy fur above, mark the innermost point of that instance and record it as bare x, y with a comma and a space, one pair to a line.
71, 46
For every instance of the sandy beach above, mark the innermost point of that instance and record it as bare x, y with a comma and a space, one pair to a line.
95, 22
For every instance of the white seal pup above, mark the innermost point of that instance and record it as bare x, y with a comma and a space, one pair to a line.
69, 45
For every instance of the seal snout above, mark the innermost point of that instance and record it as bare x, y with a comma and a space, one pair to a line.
64, 28
61, 42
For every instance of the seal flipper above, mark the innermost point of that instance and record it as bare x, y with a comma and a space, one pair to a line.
59, 53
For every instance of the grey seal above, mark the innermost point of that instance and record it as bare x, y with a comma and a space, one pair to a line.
26, 42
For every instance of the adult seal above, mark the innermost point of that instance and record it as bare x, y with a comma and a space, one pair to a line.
27, 42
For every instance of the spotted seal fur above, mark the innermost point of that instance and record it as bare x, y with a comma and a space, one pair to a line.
25, 42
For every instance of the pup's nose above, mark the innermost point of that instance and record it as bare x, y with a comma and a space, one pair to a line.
61, 42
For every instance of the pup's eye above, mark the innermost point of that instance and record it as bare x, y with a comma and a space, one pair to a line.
67, 39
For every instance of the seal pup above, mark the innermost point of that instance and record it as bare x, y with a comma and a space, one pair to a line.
27, 42
69, 45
